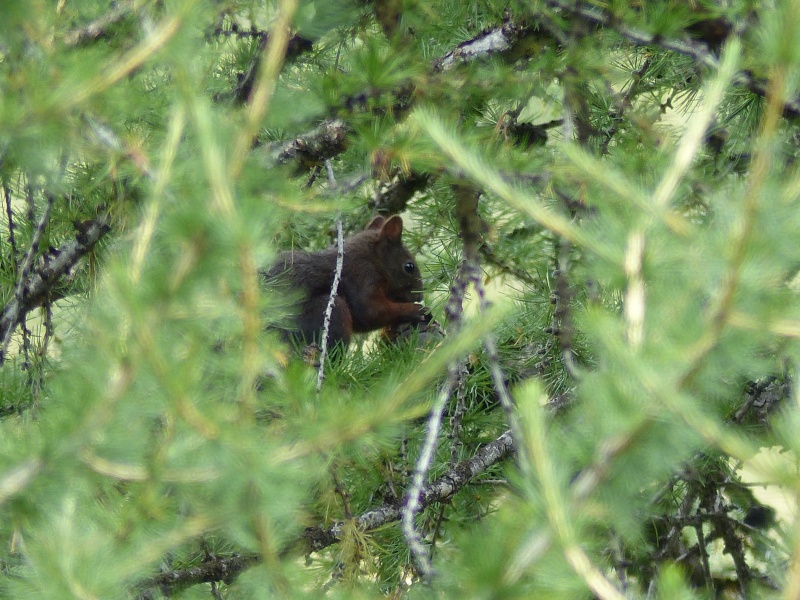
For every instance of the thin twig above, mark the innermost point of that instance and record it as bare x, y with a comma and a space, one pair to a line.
562, 313
49, 332
30, 205
624, 103
437, 527
458, 415
495, 370
11, 226
215, 591
340, 491
27, 352
326, 324
25, 272
329, 171
489, 256
412, 505
733, 546
696, 50
472, 226
701, 544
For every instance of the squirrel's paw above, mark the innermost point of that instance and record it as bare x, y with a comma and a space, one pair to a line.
425, 328
425, 315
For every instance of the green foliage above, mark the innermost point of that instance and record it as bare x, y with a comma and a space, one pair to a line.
638, 203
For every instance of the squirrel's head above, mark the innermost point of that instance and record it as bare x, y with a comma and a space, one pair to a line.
399, 265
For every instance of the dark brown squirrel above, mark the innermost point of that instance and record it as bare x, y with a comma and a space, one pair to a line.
380, 286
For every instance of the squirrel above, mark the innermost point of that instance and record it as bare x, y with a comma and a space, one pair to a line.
380, 285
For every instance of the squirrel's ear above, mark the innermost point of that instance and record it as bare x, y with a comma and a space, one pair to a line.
393, 228
376, 223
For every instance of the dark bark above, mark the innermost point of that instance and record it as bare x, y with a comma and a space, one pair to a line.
216, 569
698, 50
41, 283
328, 140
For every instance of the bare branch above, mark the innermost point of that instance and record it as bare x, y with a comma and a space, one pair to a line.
315, 539
413, 503
329, 138
392, 197
444, 488
457, 417
216, 569
326, 324
697, 50
24, 273
326, 141
296, 46
11, 225
490, 41
37, 287
99, 27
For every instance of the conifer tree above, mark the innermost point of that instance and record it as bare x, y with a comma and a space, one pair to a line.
603, 200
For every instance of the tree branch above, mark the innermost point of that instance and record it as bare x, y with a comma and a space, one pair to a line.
392, 197
296, 46
444, 488
99, 27
697, 50
216, 569
487, 42
39, 285
329, 139
315, 539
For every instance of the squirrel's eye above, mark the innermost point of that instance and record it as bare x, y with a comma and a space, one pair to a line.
409, 267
